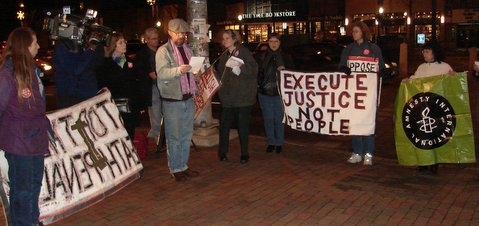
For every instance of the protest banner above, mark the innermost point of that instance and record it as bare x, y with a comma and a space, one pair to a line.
91, 157
207, 86
331, 103
432, 121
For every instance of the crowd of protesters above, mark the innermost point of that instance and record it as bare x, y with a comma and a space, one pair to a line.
159, 80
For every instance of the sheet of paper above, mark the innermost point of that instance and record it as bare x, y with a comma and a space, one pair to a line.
196, 63
237, 59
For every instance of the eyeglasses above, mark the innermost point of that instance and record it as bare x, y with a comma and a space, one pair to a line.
425, 51
184, 34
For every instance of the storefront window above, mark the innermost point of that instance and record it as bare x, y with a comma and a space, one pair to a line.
257, 32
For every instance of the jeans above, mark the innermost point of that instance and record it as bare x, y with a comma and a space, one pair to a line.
154, 112
178, 120
25, 174
240, 118
273, 112
363, 144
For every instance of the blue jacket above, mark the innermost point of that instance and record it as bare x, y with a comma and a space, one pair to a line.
75, 72
23, 129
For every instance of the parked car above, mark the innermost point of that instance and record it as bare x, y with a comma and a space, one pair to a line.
325, 56
44, 62
316, 57
256, 47
3, 45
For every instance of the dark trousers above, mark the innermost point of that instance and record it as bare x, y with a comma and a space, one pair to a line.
238, 117
25, 174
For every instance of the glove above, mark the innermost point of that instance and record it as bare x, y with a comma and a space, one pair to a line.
385, 73
236, 70
345, 70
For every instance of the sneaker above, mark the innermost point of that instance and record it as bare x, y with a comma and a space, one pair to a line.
355, 158
368, 159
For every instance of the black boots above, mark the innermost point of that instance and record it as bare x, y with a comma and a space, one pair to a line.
271, 148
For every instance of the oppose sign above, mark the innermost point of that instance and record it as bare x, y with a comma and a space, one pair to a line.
331, 103
91, 157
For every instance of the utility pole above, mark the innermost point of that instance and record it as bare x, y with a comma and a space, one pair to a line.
434, 20
206, 132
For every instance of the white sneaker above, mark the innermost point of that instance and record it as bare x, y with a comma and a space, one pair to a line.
355, 158
368, 159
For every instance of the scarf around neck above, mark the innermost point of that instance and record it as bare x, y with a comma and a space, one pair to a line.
188, 85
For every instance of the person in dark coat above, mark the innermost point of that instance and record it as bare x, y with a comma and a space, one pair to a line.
270, 63
75, 65
149, 93
118, 75
362, 48
238, 73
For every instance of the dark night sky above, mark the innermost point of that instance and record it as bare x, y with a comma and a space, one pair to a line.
36, 8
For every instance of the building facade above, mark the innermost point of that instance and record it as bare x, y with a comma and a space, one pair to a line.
452, 22
255, 19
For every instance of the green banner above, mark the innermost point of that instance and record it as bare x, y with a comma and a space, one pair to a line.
432, 121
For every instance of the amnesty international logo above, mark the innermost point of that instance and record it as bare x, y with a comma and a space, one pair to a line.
428, 120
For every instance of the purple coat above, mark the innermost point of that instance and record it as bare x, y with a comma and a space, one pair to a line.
23, 128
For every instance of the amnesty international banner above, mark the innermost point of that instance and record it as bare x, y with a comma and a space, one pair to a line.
207, 86
433, 121
91, 157
330, 103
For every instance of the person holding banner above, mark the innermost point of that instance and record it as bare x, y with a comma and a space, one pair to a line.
371, 61
24, 125
434, 62
237, 71
177, 86
118, 75
434, 65
270, 62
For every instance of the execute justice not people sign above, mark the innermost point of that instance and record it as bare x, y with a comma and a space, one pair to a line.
331, 103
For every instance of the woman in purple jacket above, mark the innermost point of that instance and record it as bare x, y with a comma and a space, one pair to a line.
24, 125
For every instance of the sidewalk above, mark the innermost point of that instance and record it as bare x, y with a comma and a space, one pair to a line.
310, 183
304, 185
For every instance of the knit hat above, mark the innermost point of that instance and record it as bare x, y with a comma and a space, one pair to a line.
178, 25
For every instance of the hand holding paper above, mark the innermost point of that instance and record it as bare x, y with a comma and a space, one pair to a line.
236, 70
234, 62
196, 63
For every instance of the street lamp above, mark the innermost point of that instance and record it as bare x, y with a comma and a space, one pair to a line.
151, 2
21, 14
240, 18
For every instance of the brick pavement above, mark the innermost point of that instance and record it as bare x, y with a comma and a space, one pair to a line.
305, 185
310, 183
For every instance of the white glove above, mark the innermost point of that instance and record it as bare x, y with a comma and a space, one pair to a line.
236, 70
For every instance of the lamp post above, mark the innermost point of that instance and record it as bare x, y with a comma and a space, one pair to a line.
240, 18
152, 4
21, 14
379, 19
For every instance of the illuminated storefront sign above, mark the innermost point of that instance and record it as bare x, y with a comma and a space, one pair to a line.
269, 15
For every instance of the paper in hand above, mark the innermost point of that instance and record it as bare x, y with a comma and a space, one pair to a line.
196, 63
234, 62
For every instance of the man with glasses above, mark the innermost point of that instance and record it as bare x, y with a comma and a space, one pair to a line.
150, 95
177, 87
